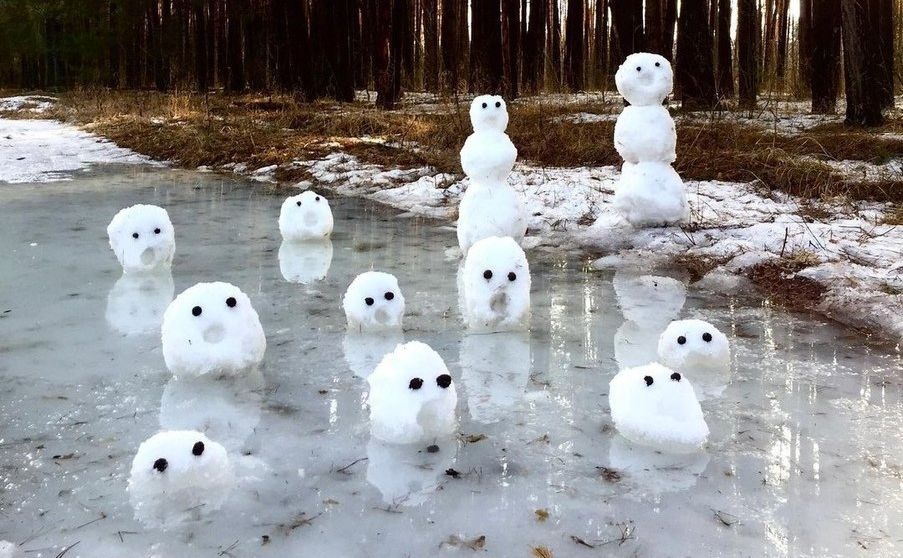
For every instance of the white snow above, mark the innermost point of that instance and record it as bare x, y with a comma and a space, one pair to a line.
305, 216
412, 396
651, 193
694, 346
30, 103
373, 302
496, 284
143, 238
646, 133
488, 210
212, 328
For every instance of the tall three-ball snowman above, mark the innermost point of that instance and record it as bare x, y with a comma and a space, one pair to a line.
489, 207
650, 192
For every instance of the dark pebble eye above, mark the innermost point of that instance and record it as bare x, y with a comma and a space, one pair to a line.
196, 311
681, 340
317, 198
675, 376
484, 105
512, 276
707, 337
135, 235
487, 274
658, 64
498, 104
389, 295
648, 380
197, 449
368, 301
157, 230
444, 381
416, 383
298, 203
231, 302
161, 464
638, 68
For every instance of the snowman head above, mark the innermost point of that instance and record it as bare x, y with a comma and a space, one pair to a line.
412, 395
496, 285
306, 216
175, 471
373, 302
690, 345
488, 113
143, 239
644, 79
212, 327
656, 406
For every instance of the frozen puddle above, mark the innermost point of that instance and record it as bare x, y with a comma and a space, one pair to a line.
805, 455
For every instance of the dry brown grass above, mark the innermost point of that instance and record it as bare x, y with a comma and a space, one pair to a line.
262, 130
894, 216
778, 282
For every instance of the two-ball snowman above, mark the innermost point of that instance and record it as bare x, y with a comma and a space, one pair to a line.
489, 207
650, 192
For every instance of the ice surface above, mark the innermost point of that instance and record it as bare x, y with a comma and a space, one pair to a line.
406, 475
488, 113
644, 79
655, 406
306, 216
650, 472
651, 194
496, 283
649, 300
177, 474
305, 262
212, 328
490, 210
143, 238
364, 350
495, 369
646, 133
412, 396
10, 550
136, 303
373, 302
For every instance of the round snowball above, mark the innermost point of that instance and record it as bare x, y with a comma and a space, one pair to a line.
496, 285
306, 216
694, 345
644, 79
488, 157
487, 211
373, 302
136, 302
489, 113
646, 133
655, 406
212, 328
143, 239
412, 396
651, 194
175, 473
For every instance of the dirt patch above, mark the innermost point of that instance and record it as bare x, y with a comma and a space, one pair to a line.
779, 283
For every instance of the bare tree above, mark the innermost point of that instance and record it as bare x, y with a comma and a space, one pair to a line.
725, 60
864, 76
825, 40
747, 52
486, 48
574, 74
695, 75
535, 46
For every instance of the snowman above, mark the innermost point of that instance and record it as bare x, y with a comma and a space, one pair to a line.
412, 396
142, 238
650, 192
373, 302
306, 216
489, 206
496, 284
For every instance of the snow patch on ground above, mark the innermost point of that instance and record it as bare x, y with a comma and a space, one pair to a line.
27, 103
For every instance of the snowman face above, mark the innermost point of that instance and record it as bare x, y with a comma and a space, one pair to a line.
211, 327
644, 79
142, 237
694, 344
306, 216
373, 302
488, 113
496, 284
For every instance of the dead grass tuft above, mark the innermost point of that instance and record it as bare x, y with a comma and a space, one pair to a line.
779, 283
894, 216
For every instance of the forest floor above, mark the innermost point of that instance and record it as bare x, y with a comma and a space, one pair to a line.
804, 207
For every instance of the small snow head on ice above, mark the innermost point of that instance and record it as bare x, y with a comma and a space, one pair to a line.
143, 239
212, 328
656, 406
488, 113
306, 216
412, 396
691, 345
178, 473
496, 285
373, 302
644, 79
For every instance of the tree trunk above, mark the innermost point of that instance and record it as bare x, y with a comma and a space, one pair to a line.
235, 55
627, 30
885, 21
486, 46
511, 42
555, 42
783, 7
669, 28
655, 19
430, 45
384, 73
725, 60
574, 75
695, 75
450, 45
535, 46
863, 73
804, 38
600, 44
200, 45
747, 52
825, 39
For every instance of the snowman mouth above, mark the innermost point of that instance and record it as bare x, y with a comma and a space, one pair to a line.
310, 218
214, 334
498, 303
381, 316
148, 256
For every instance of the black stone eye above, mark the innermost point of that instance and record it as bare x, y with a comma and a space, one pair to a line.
157, 230
317, 198
444, 381
484, 105
648, 380
658, 64
135, 235
681, 340
638, 68
487, 274
231, 302
416, 383
368, 301
675, 376
512, 276
196, 311
197, 449
389, 295
498, 104
161, 464
707, 337
298, 203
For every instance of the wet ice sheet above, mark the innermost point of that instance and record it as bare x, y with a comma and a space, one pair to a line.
804, 456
